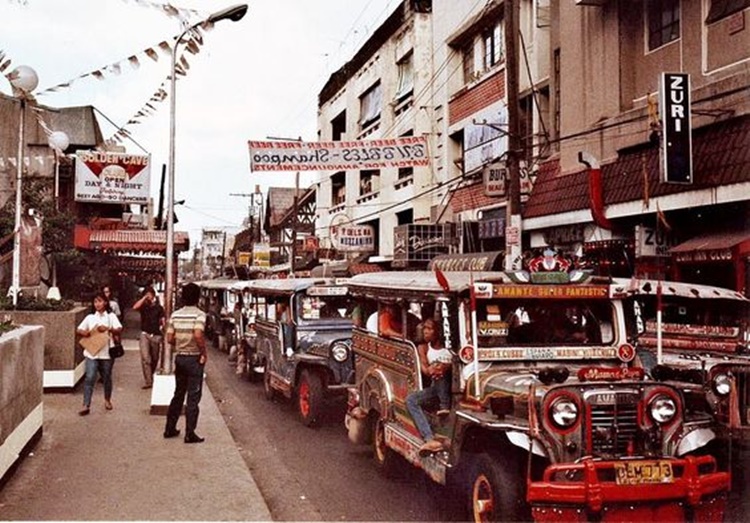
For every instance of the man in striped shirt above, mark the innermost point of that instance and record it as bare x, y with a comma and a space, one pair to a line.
185, 332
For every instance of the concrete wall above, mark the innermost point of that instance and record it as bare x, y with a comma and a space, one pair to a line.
21, 390
63, 357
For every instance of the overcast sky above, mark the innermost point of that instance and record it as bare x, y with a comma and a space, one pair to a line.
253, 79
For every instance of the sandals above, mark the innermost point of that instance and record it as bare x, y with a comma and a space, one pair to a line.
430, 447
107, 404
84, 411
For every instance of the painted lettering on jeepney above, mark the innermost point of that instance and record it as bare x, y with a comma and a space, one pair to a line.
551, 291
386, 351
446, 325
547, 353
696, 330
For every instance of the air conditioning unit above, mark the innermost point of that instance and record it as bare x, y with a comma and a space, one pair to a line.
596, 3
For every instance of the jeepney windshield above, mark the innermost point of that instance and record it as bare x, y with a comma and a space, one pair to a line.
684, 317
333, 308
535, 322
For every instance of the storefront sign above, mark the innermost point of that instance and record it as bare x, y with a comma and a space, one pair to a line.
354, 238
420, 243
564, 234
650, 241
495, 175
712, 256
486, 139
491, 228
485, 261
117, 178
243, 258
676, 146
408, 151
261, 255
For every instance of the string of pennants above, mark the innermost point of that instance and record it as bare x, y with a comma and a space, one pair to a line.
193, 46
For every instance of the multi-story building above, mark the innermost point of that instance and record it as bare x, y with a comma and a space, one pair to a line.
603, 176
384, 91
215, 250
607, 60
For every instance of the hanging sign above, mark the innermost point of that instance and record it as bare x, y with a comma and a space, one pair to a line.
354, 238
104, 177
407, 151
676, 148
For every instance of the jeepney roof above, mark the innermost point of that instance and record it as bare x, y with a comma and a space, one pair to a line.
288, 286
420, 281
645, 287
218, 283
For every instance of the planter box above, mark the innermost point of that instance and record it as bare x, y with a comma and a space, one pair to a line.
21, 391
63, 356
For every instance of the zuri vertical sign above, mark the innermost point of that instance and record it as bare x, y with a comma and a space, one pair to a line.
676, 146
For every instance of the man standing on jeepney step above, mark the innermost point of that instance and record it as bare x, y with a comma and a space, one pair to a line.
185, 331
152, 326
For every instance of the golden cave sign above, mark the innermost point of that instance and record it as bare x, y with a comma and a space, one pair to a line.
566, 292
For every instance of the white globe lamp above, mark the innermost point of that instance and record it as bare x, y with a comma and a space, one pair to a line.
23, 78
58, 141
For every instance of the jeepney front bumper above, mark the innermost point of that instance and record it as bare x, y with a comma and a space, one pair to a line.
689, 488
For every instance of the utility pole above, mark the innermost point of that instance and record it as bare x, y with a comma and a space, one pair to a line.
295, 218
513, 231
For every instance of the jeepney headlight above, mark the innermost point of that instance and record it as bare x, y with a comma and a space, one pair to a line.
564, 412
663, 409
722, 384
340, 352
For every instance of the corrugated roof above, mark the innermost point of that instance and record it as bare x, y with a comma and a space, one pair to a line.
142, 240
721, 156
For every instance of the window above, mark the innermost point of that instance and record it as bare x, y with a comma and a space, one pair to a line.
494, 51
723, 8
370, 105
663, 22
468, 58
338, 127
338, 188
405, 78
369, 181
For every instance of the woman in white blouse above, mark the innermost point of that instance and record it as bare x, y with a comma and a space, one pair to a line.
97, 355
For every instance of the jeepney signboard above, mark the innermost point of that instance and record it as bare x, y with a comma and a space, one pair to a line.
551, 291
407, 151
546, 353
104, 177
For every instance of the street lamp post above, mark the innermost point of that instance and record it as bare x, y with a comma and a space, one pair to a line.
23, 79
58, 142
234, 13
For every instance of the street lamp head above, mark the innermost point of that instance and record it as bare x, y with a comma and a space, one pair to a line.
234, 13
24, 79
58, 141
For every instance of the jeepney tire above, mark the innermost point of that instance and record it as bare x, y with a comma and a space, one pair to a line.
310, 398
495, 489
387, 461
268, 390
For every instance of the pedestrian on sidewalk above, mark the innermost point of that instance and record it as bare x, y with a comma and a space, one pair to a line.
185, 330
114, 305
97, 357
151, 339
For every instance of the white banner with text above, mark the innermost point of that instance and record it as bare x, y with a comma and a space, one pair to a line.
409, 151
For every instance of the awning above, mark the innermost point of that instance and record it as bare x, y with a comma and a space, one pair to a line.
715, 242
128, 240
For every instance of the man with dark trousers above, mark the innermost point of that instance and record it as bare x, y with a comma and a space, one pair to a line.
149, 343
185, 331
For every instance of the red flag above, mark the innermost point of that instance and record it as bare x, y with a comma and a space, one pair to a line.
442, 280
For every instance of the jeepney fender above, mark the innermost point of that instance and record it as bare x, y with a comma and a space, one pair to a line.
521, 440
376, 393
695, 439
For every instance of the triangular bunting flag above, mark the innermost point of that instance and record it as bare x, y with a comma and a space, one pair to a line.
134, 63
152, 54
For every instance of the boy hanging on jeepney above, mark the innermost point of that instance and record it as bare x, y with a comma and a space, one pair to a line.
435, 362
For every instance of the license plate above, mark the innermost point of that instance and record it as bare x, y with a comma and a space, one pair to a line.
643, 472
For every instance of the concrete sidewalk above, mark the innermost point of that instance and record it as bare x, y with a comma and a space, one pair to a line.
115, 465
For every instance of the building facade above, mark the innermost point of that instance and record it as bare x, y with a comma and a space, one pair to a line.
602, 88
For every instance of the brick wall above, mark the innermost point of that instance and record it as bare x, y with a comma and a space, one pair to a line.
478, 97
472, 197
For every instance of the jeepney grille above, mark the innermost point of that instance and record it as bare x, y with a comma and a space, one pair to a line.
613, 422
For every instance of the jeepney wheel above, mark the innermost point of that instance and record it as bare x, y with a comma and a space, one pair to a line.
495, 489
268, 390
387, 461
309, 397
